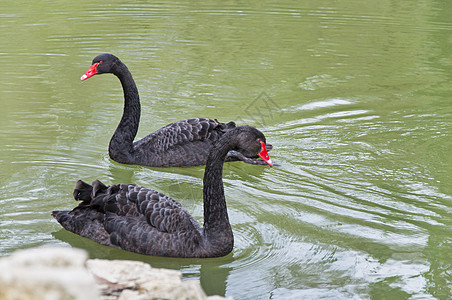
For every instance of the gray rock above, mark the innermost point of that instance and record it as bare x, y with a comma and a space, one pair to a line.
133, 280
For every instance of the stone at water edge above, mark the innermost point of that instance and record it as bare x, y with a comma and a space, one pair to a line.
67, 273
47, 273
138, 280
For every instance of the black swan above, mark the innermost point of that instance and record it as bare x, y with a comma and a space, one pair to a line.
142, 220
180, 144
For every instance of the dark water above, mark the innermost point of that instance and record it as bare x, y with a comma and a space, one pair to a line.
355, 97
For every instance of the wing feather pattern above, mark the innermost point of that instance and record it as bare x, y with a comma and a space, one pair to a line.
133, 218
181, 143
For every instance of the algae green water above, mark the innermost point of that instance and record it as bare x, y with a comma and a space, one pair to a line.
356, 98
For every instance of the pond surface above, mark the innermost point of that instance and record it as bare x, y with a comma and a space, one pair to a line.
355, 97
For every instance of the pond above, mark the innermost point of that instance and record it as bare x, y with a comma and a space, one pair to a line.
355, 98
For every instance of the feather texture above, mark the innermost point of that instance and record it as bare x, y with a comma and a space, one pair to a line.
142, 220
182, 143
133, 218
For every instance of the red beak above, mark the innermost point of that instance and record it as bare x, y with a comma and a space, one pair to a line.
264, 155
91, 72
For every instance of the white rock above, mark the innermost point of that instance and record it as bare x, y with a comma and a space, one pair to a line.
46, 274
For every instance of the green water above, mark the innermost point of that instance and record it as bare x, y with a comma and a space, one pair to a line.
354, 96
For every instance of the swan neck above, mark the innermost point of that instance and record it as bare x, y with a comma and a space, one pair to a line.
121, 143
216, 220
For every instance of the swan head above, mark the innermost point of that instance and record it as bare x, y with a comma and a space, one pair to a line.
104, 63
252, 143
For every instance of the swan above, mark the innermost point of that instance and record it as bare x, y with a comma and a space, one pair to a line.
179, 144
144, 221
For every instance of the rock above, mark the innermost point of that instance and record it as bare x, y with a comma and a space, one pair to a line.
47, 274
133, 280
65, 273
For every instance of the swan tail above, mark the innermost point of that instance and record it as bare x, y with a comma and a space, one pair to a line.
87, 218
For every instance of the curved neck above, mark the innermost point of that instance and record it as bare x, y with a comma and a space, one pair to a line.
216, 220
121, 143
